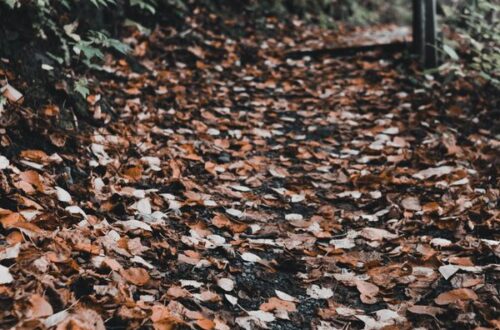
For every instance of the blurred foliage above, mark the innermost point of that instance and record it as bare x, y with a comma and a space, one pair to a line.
328, 12
79, 31
472, 40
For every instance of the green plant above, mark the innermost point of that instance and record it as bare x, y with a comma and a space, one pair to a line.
91, 48
147, 5
476, 42
69, 43
102, 3
81, 87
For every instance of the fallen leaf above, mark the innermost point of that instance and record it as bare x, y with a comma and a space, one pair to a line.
10, 252
143, 206
284, 296
454, 296
135, 224
250, 257
82, 319
294, 217
434, 171
136, 275
383, 318
35, 155
63, 195
448, 271
411, 203
368, 291
262, 316
178, 292
5, 276
377, 234
4, 163
240, 188
441, 242
317, 292
226, 284
39, 307
426, 310
191, 283
232, 299
12, 94
277, 304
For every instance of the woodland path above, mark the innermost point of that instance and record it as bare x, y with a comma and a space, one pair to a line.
229, 185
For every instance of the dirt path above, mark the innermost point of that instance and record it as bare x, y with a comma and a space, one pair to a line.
230, 186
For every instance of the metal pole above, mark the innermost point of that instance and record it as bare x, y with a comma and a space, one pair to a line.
419, 29
431, 51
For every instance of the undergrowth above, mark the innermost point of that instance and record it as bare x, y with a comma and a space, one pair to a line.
472, 41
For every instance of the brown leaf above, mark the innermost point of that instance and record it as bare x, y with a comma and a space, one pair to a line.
376, 234
426, 310
454, 296
38, 156
205, 324
39, 307
83, 319
178, 292
136, 275
208, 296
277, 304
9, 220
133, 173
28, 180
411, 203
368, 291
50, 110
221, 221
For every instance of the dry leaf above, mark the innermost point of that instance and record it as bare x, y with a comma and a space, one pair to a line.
5, 276
377, 234
277, 304
39, 307
435, 171
226, 284
135, 275
250, 257
317, 292
284, 296
454, 296
206, 324
426, 310
411, 203
63, 195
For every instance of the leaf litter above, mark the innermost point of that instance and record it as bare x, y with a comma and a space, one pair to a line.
232, 185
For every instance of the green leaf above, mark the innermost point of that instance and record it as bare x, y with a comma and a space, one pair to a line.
142, 29
88, 50
148, 5
12, 3
81, 87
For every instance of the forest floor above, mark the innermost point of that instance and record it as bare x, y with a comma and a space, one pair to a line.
228, 184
